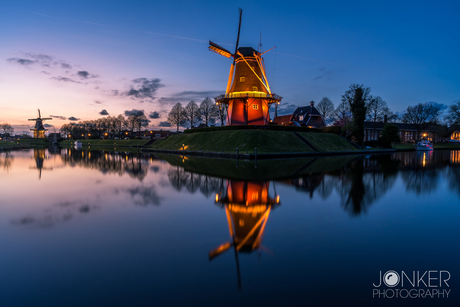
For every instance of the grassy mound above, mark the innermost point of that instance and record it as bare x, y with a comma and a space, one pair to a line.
246, 140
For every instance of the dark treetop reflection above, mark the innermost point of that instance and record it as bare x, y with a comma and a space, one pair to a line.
294, 231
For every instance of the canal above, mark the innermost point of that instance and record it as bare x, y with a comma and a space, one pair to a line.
95, 228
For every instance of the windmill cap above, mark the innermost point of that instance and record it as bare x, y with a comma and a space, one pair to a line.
247, 51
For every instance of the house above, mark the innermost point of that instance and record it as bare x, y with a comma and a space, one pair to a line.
308, 116
282, 119
155, 134
407, 132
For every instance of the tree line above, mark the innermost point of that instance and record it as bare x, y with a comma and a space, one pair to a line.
192, 115
109, 125
358, 105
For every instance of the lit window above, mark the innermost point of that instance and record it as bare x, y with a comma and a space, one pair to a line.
254, 88
300, 117
255, 106
242, 79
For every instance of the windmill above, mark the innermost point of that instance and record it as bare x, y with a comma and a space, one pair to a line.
247, 206
39, 129
248, 96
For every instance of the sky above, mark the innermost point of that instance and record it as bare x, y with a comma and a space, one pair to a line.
79, 60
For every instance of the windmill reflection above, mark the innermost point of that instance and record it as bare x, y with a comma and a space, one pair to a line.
247, 205
39, 156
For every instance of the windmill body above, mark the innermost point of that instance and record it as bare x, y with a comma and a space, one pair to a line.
248, 96
39, 130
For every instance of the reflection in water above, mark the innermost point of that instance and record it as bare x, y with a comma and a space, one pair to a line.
39, 156
6, 159
136, 166
247, 206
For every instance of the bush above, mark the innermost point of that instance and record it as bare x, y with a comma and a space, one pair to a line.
333, 129
372, 143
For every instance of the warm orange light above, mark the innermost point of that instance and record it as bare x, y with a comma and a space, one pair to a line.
277, 199
217, 197
89, 134
126, 132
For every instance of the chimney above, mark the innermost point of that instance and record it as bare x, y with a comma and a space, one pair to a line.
312, 103
385, 119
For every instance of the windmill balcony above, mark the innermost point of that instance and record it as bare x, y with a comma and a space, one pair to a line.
248, 95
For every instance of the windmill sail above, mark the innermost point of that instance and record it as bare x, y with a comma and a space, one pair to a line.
219, 50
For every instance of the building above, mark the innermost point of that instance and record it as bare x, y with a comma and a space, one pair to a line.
407, 132
248, 96
308, 116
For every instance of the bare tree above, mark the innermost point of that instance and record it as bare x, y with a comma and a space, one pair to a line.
177, 115
421, 115
209, 111
6, 128
326, 108
223, 108
342, 113
376, 109
192, 113
453, 116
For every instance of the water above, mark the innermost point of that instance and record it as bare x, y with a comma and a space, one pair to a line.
93, 228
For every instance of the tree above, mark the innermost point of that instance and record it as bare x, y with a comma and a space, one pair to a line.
192, 113
6, 128
326, 108
376, 109
357, 97
342, 114
223, 108
421, 115
390, 134
177, 115
137, 119
453, 116
208, 111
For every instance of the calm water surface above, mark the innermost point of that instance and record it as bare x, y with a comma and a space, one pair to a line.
93, 228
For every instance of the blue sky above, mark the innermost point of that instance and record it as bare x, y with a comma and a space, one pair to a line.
77, 58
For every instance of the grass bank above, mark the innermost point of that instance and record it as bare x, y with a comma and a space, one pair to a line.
247, 140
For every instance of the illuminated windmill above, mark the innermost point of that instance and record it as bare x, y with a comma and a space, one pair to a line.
248, 96
248, 206
39, 130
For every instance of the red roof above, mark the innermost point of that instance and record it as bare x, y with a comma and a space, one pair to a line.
281, 119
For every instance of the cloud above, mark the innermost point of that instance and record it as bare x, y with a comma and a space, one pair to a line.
145, 195
154, 115
73, 118
47, 125
143, 88
64, 79
66, 66
187, 96
85, 75
325, 74
97, 102
134, 112
104, 112
58, 117
24, 62
286, 108
164, 124
45, 72
440, 106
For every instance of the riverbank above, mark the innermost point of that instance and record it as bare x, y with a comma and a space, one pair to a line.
248, 141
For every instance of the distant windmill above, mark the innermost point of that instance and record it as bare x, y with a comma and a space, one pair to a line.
39, 130
248, 96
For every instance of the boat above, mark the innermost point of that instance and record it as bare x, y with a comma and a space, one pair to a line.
77, 144
423, 145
